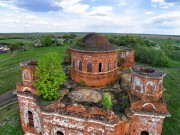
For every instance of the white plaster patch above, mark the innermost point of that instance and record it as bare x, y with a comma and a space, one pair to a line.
152, 84
26, 76
138, 82
146, 104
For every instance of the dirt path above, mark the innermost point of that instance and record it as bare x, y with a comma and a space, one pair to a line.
7, 98
13, 54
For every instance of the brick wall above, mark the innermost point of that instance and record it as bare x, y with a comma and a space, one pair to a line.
26, 103
94, 78
127, 58
153, 125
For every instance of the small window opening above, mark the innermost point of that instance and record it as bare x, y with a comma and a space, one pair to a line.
30, 119
109, 66
144, 133
80, 65
59, 133
100, 67
73, 64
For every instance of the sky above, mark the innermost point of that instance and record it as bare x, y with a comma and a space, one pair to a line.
115, 16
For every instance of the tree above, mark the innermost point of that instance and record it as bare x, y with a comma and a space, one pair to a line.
16, 46
46, 40
106, 101
49, 76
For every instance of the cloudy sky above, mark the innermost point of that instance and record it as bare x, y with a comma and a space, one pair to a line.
121, 16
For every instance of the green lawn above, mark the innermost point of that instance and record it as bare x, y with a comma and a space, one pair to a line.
10, 71
172, 96
9, 41
10, 120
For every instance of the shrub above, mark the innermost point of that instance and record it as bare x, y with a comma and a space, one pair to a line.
106, 101
151, 56
82, 83
46, 40
49, 76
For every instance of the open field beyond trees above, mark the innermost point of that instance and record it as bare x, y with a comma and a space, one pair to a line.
10, 74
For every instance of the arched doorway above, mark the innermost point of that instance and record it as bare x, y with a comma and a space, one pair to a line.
59, 133
144, 133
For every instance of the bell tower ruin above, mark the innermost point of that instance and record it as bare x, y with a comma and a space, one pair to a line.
147, 106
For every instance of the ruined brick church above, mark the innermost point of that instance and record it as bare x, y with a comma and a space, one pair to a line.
94, 61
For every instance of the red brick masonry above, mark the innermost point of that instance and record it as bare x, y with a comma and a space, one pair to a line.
94, 78
127, 58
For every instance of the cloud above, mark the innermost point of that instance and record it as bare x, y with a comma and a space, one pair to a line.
101, 10
123, 3
162, 3
148, 12
173, 17
72, 6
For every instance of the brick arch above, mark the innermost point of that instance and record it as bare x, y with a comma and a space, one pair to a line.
58, 129
138, 85
149, 106
150, 87
26, 89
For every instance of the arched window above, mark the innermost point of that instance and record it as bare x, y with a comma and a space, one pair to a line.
144, 133
89, 67
80, 65
26, 75
73, 63
30, 119
138, 85
59, 133
123, 55
109, 66
160, 85
100, 67
150, 87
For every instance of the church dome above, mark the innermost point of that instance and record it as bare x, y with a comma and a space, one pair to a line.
94, 42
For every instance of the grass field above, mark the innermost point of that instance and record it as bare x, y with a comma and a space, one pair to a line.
10, 74
10, 120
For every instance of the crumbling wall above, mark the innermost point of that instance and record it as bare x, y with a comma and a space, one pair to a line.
26, 103
127, 58
151, 124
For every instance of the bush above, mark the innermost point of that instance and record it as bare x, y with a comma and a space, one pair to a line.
106, 101
46, 40
151, 56
82, 83
49, 76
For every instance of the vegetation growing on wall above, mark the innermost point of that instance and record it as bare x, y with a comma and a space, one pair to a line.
49, 76
106, 101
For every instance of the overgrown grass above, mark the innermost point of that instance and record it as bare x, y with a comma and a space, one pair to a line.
10, 120
10, 71
172, 95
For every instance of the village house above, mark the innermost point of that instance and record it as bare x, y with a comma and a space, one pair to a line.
4, 48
